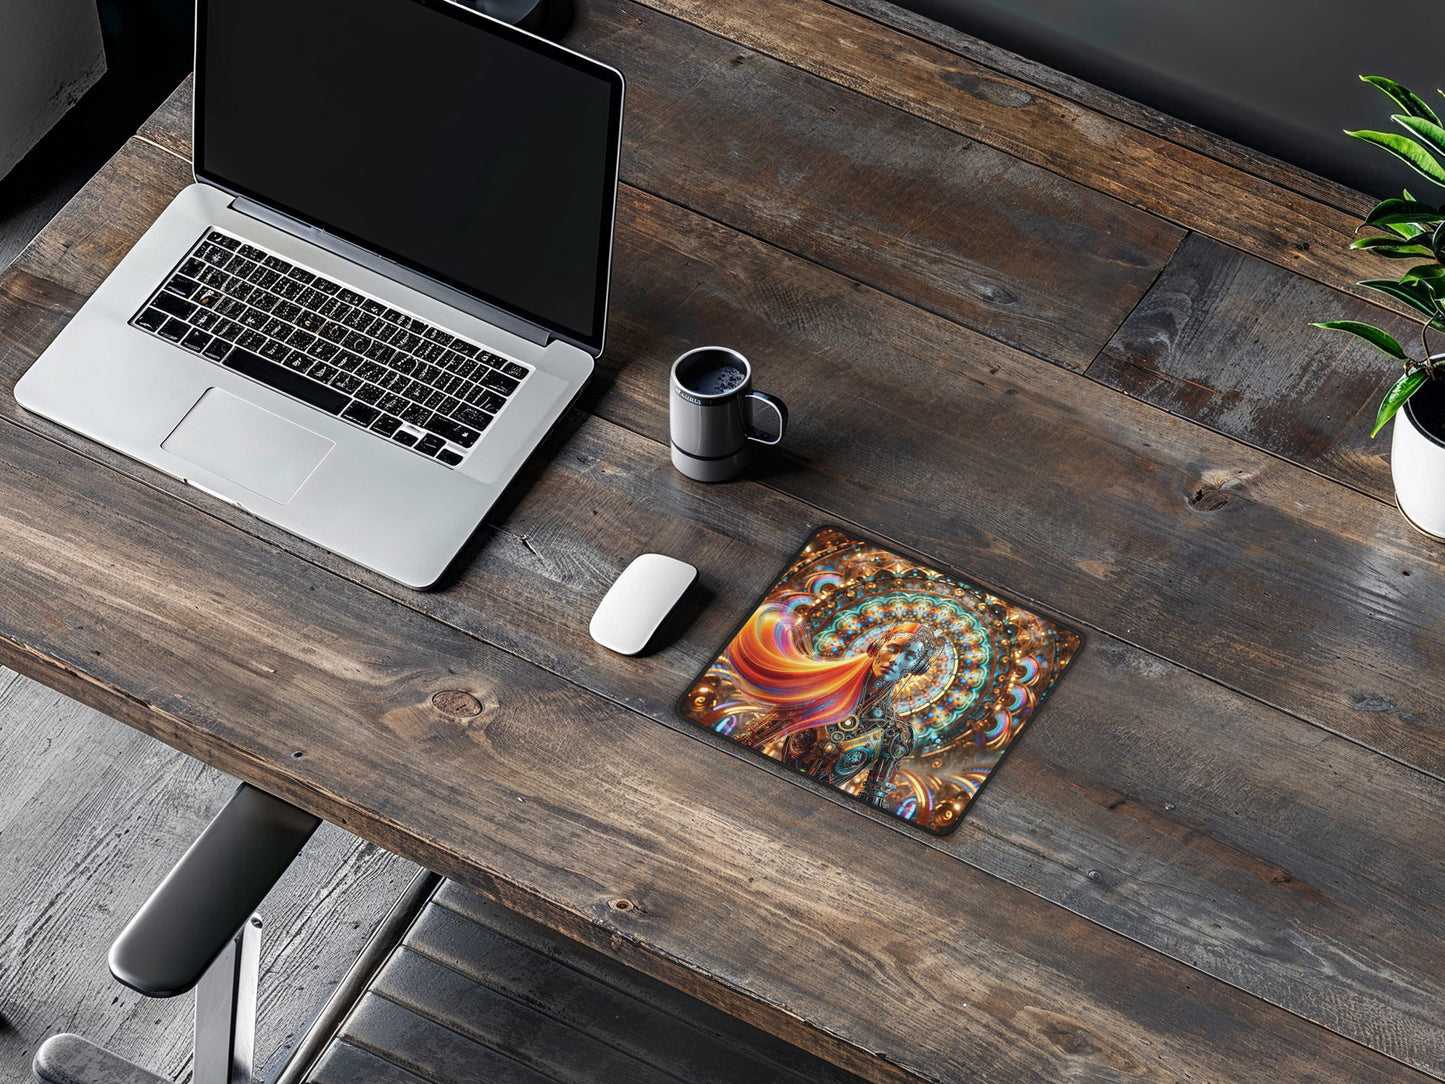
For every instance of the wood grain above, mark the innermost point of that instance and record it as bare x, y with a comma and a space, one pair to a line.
595, 993
873, 192
1223, 339
1180, 184
350, 678
594, 496
1098, 100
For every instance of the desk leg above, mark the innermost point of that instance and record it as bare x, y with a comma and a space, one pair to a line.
226, 1011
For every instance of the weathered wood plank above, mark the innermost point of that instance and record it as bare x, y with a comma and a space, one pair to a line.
347, 1064
431, 1050
1177, 183
605, 490
1098, 100
596, 996
92, 815
876, 193
525, 1034
1223, 339
238, 635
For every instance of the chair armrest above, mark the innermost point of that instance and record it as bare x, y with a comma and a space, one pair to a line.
200, 906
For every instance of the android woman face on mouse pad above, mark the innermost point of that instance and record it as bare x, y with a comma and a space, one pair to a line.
882, 677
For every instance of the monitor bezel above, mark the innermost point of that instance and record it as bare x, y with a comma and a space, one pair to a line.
590, 339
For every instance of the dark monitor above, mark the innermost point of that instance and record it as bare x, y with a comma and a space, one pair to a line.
453, 144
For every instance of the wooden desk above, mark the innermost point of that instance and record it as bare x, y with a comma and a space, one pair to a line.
1037, 333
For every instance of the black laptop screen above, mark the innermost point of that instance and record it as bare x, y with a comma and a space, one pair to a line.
456, 146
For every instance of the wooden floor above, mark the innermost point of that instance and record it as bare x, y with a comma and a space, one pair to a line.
475, 994
92, 815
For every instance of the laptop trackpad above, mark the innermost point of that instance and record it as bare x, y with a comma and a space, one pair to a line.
247, 445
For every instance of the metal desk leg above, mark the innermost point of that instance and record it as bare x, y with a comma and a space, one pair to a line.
226, 1011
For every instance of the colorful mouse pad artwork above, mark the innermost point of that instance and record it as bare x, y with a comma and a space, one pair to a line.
891, 681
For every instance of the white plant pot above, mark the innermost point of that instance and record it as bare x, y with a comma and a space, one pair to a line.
1417, 459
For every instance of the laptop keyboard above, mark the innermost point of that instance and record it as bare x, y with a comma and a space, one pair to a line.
353, 356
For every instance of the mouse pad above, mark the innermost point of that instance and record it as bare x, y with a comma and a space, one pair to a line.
899, 684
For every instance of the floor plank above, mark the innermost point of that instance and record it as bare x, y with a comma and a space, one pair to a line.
92, 815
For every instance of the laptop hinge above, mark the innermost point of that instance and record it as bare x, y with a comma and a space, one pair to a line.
447, 295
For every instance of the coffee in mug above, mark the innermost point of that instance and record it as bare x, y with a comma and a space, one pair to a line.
712, 410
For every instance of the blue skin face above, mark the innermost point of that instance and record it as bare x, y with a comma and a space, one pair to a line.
899, 656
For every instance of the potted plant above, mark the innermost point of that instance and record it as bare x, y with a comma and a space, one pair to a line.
1412, 230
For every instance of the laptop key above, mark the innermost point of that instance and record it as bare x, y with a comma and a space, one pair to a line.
298, 362
151, 319
498, 382
369, 393
515, 371
174, 330
403, 437
276, 351
196, 340
347, 382
473, 417
360, 413
283, 379
183, 286
429, 444
417, 415
174, 306
386, 425
217, 350
449, 457
450, 430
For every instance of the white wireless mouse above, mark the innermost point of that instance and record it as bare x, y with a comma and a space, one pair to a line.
637, 602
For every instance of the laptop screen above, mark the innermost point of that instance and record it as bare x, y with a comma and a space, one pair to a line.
452, 144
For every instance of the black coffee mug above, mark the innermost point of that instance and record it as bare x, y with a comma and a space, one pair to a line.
711, 409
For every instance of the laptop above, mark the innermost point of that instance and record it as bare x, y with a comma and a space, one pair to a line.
386, 285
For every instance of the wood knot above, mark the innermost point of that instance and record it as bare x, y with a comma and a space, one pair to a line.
456, 703
622, 905
1208, 498
1211, 494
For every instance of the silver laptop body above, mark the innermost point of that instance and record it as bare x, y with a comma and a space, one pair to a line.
402, 502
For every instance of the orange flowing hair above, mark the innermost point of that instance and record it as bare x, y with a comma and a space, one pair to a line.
773, 662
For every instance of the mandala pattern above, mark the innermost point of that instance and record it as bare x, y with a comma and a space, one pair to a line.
840, 606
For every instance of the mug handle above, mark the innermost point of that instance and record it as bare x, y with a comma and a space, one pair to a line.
778, 408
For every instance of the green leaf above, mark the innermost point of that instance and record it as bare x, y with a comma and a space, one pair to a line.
1407, 150
1427, 273
1428, 132
1437, 241
1393, 212
1414, 294
1393, 248
1406, 99
1395, 398
1371, 334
